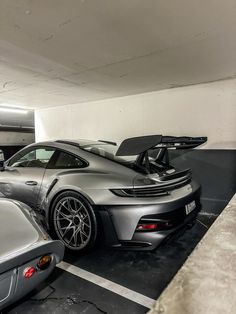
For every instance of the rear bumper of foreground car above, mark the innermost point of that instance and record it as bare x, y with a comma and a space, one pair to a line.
121, 223
14, 283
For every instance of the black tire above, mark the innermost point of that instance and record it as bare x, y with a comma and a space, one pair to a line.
72, 220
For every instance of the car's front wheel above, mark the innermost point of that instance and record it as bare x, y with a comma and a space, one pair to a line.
73, 221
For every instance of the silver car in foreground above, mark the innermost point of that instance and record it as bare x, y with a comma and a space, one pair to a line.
27, 255
83, 188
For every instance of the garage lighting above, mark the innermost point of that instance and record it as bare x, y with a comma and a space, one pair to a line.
13, 110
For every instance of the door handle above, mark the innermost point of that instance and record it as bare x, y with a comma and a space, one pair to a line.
31, 183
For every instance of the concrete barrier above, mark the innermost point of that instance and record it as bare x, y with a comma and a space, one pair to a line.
206, 283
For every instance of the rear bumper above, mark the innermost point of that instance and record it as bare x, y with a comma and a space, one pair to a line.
120, 222
13, 284
151, 240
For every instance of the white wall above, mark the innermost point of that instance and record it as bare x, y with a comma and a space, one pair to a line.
199, 110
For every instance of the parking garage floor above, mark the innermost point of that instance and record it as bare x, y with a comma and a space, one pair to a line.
124, 279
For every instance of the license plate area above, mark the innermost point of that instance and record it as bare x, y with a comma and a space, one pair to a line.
190, 207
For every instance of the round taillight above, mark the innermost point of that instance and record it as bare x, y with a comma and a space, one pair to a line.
44, 262
29, 272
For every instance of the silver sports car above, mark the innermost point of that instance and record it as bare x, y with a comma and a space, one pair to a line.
27, 254
131, 194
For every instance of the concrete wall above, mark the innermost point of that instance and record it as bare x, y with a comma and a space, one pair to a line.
16, 138
199, 110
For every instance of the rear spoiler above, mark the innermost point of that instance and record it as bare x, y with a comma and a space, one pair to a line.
141, 144
182, 142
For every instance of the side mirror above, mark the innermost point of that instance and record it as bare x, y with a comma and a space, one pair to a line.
2, 160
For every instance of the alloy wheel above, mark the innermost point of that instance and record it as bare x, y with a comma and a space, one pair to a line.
72, 222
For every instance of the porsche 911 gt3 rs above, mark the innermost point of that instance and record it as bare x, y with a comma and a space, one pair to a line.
81, 188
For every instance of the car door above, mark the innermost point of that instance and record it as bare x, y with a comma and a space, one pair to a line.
22, 177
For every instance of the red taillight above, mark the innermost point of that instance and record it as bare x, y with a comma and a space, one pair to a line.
151, 226
29, 272
147, 226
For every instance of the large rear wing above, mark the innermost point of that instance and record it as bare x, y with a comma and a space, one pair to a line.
139, 145
182, 142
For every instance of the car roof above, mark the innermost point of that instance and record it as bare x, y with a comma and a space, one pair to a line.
77, 143
80, 142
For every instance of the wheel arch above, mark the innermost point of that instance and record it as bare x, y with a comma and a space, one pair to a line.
84, 196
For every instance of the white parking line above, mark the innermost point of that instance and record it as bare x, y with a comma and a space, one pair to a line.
107, 284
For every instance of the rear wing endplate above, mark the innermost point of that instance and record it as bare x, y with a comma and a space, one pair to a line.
138, 145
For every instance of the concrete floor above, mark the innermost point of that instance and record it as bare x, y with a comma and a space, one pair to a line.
145, 272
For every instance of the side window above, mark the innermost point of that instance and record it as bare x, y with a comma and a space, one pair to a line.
36, 157
67, 161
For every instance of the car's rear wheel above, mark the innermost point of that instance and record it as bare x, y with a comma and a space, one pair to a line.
73, 221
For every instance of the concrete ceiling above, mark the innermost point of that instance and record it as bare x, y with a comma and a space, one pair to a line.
56, 52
